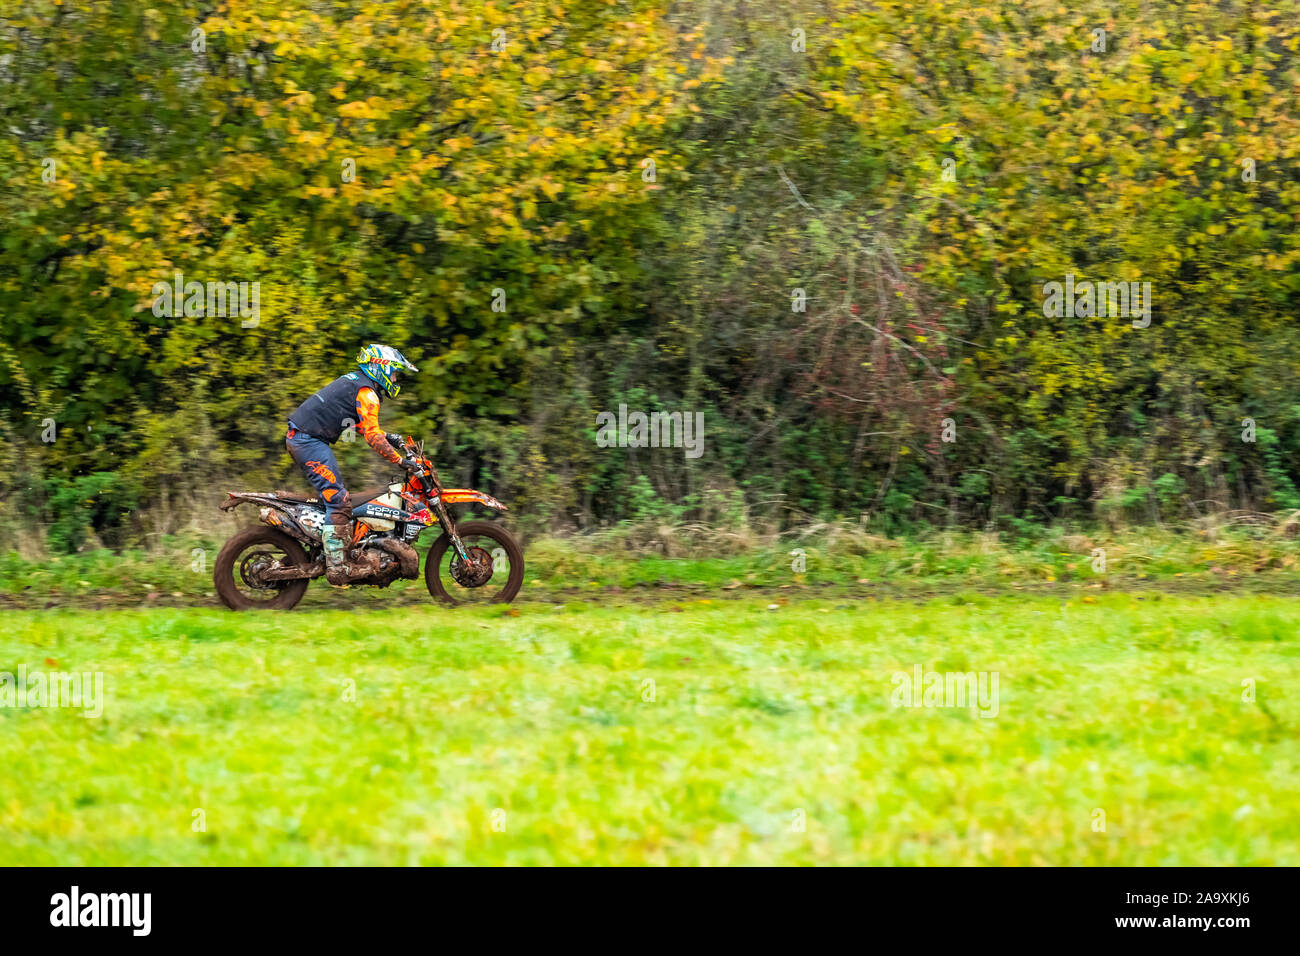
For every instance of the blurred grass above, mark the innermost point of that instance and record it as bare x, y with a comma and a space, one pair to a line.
1127, 703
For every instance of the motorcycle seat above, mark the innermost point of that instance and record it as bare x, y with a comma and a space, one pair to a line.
359, 498
294, 496
370, 494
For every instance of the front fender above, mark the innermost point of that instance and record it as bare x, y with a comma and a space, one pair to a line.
467, 496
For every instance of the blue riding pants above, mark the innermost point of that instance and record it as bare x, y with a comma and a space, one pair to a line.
318, 463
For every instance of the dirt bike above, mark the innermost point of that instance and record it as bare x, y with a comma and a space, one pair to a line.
271, 566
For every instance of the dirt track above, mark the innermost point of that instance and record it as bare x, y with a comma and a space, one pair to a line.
414, 594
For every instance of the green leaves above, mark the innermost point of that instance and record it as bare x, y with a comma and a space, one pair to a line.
472, 182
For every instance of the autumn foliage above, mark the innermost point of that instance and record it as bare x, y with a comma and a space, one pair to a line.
825, 225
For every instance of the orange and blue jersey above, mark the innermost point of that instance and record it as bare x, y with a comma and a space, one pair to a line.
320, 421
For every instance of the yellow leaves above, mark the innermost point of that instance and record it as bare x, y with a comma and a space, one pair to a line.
311, 138
303, 98
363, 109
559, 232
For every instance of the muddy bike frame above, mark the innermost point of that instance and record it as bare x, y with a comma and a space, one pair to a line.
433, 496
423, 489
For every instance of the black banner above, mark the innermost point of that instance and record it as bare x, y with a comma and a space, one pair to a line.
1161, 907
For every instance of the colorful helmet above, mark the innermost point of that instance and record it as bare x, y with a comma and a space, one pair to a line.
382, 364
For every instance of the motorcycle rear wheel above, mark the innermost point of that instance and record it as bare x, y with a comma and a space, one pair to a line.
235, 591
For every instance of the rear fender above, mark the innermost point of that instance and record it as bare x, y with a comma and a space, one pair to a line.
237, 498
274, 511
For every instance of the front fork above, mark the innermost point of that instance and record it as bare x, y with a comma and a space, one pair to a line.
444, 518
449, 526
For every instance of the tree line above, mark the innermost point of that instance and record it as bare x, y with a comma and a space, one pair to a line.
841, 233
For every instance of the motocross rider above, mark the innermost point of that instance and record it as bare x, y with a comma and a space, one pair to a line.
352, 398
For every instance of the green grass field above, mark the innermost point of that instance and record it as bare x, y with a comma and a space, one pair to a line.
531, 735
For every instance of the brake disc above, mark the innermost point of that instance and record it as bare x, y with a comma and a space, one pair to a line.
473, 573
251, 568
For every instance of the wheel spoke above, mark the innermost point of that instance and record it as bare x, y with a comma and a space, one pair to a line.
250, 563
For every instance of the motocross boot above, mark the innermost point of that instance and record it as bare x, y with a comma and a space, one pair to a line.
337, 570
343, 567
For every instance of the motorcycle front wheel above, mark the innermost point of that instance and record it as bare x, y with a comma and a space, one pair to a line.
494, 574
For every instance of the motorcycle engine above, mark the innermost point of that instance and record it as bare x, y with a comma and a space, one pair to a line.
397, 559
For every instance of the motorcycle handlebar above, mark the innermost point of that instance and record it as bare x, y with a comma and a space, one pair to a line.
408, 448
